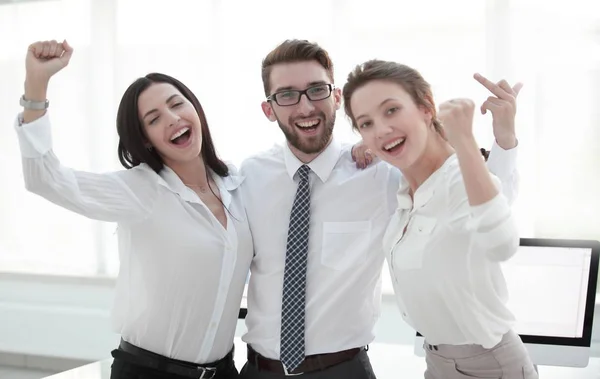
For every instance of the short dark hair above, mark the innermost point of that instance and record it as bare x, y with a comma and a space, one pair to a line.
294, 50
132, 147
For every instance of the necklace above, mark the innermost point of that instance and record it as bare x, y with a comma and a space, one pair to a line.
201, 188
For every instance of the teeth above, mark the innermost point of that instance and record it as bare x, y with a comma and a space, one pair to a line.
179, 133
397, 142
307, 124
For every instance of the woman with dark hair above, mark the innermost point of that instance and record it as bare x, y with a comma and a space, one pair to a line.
184, 243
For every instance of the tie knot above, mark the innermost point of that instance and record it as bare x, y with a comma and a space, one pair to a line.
303, 172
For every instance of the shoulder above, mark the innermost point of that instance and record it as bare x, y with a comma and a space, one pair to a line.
141, 173
234, 178
263, 160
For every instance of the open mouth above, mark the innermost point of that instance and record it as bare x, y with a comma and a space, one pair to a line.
394, 146
181, 137
309, 126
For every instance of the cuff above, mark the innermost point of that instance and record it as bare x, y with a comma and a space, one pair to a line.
502, 163
35, 138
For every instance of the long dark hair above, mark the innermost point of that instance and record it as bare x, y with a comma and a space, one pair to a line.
132, 148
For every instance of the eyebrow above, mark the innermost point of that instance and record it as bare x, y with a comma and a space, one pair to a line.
380, 105
311, 84
156, 110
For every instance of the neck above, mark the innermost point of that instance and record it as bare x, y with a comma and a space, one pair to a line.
436, 153
307, 157
192, 173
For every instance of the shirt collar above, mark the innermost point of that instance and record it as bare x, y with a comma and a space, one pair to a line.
425, 192
170, 180
322, 165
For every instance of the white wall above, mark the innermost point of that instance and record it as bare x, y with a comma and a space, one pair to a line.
70, 318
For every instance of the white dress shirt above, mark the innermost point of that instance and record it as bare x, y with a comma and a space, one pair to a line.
444, 257
350, 210
182, 274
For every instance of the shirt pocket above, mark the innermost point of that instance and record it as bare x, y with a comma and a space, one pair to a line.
345, 244
408, 254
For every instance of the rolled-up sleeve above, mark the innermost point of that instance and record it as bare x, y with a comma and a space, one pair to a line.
503, 164
491, 224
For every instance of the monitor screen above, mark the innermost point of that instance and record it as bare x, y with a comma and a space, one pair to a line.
548, 287
551, 291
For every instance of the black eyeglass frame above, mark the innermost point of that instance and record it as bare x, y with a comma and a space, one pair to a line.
273, 97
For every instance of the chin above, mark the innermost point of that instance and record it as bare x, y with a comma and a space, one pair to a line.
401, 163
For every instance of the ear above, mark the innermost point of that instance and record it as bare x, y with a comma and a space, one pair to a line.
268, 111
337, 98
427, 114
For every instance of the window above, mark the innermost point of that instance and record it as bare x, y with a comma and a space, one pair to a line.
216, 49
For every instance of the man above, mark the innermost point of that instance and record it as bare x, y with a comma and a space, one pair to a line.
317, 222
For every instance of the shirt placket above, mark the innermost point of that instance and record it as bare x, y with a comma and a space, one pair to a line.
229, 258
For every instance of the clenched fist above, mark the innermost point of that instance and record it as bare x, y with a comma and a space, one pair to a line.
46, 58
456, 116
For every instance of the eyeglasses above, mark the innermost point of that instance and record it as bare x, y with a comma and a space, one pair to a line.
292, 97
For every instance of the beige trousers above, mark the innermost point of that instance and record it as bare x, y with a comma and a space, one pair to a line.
507, 360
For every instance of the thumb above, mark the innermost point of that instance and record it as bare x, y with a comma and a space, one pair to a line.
66, 57
517, 88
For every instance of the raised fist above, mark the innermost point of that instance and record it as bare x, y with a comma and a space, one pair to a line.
46, 58
456, 116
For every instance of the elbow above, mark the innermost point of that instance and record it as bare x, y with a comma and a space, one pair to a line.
35, 178
34, 185
38, 185
505, 241
504, 251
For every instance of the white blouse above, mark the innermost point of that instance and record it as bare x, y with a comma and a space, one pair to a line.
445, 267
182, 274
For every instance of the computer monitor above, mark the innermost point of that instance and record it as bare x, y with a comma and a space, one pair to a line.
552, 293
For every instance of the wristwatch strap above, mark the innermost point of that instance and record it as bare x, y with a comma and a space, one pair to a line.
34, 105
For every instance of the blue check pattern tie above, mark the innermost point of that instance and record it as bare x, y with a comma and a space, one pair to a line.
294, 277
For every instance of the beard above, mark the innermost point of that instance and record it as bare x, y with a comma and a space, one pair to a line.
312, 144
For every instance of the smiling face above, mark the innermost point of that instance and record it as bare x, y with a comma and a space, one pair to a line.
171, 123
391, 124
307, 124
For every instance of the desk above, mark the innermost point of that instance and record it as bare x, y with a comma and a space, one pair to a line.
389, 362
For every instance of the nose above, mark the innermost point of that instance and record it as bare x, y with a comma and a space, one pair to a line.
305, 106
173, 119
382, 130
